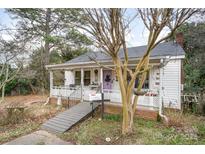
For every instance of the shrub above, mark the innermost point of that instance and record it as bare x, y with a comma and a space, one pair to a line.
13, 116
112, 117
201, 130
20, 86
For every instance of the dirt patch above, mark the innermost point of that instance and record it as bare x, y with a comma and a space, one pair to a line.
35, 113
26, 100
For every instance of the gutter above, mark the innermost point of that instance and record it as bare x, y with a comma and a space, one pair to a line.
163, 116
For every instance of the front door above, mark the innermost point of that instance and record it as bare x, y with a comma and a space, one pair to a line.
107, 79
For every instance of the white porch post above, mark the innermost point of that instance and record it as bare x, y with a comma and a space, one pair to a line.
51, 82
102, 92
82, 83
69, 77
101, 79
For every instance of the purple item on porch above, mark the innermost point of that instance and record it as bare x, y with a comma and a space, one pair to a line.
107, 79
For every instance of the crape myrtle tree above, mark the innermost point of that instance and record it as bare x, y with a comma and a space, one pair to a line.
108, 29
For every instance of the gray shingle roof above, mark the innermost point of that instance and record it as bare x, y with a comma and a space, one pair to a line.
161, 50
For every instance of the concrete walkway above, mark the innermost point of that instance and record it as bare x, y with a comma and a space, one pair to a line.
40, 137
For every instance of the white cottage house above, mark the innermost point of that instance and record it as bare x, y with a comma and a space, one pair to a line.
163, 84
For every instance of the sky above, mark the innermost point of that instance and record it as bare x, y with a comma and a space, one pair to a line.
136, 37
5, 20
138, 33
4, 17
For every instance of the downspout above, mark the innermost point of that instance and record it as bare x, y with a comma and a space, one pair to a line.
161, 93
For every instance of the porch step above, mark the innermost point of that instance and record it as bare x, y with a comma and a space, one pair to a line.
65, 120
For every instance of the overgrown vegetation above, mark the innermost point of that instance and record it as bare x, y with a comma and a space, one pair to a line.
8, 133
40, 37
18, 124
18, 86
194, 68
194, 63
95, 131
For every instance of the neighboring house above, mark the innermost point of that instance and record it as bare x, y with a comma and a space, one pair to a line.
163, 83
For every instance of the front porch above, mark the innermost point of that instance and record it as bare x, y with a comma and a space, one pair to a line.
86, 84
110, 96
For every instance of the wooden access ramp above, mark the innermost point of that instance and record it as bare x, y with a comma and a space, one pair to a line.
65, 120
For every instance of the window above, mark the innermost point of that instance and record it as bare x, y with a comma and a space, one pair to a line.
146, 82
77, 77
87, 78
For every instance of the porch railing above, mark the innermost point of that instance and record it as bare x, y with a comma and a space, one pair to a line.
62, 91
148, 100
75, 96
110, 95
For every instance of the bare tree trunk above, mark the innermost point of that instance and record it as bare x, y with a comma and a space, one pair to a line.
46, 49
127, 120
47, 35
32, 88
2, 94
3, 88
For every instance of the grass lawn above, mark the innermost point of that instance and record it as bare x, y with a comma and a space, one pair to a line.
14, 131
95, 131
34, 115
183, 128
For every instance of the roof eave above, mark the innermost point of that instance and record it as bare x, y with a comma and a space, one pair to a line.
106, 61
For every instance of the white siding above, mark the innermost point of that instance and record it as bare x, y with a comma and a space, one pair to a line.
171, 82
95, 78
154, 79
69, 78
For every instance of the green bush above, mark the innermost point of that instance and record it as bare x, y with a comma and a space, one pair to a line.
21, 86
201, 130
112, 117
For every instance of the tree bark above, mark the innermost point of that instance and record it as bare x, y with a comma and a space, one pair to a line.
4, 85
127, 120
126, 88
47, 36
47, 48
